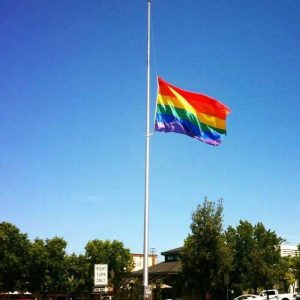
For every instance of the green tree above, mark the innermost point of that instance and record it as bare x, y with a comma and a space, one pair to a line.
285, 272
241, 243
205, 256
38, 266
296, 265
14, 249
78, 278
56, 263
48, 266
256, 253
118, 258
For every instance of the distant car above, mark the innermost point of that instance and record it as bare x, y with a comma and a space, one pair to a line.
249, 296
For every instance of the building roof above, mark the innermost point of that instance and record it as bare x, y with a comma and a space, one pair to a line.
172, 267
172, 251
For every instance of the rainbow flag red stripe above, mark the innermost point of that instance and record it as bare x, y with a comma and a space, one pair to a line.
193, 114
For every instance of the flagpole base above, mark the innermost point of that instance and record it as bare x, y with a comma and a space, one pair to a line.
147, 293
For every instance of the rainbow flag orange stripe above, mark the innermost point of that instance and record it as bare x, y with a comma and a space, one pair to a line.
193, 114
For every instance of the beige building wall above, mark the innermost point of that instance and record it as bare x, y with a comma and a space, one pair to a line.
138, 260
287, 250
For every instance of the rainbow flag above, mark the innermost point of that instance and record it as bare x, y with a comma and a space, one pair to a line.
195, 115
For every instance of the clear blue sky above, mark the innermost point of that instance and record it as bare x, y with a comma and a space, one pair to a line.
72, 117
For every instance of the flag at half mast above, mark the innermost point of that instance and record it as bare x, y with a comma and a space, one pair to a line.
193, 114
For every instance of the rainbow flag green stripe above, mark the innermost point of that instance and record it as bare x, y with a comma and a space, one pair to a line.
182, 114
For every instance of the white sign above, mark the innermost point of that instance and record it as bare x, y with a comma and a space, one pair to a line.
100, 274
100, 290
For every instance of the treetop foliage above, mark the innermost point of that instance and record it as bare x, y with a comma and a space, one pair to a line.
245, 257
43, 266
248, 255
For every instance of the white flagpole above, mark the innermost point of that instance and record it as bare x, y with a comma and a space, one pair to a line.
146, 208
